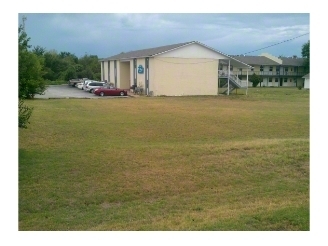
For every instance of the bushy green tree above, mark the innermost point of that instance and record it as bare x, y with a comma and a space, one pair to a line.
306, 55
255, 79
30, 68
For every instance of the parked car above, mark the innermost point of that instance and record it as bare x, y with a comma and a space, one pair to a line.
73, 82
110, 91
86, 82
80, 85
93, 85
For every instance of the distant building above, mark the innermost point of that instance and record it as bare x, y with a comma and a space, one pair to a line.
276, 71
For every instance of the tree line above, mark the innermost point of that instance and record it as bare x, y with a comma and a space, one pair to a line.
63, 66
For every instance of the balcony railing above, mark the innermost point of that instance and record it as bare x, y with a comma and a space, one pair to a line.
233, 78
271, 73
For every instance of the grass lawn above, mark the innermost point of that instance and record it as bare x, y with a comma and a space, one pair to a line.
227, 163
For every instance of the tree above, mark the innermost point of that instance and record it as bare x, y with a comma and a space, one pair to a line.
306, 55
255, 79
30, 67
29, 76
38, 50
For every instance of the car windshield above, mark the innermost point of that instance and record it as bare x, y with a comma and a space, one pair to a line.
108, 87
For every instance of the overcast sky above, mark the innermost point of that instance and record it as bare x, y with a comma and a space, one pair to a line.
108, 34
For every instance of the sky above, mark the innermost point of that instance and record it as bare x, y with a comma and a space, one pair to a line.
109, 34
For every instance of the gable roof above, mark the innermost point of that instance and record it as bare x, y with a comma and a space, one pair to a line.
146, 52
162, 49
263, 60
288, 61
306, 76
256, 60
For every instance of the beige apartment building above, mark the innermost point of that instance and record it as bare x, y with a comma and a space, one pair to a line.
275, 71
189, 68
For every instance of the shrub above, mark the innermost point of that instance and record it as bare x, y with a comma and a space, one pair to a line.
24, 114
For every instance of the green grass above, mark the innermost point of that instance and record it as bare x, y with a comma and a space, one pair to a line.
236, 163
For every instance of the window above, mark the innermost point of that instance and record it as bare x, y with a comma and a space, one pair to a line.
276, 80
231, 67
285, 79
270, 79
290, 80
291, 69
286, 69
270, 69
261, 68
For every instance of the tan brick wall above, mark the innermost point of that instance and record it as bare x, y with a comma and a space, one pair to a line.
180, 76
141, 76
112, 78
124, 82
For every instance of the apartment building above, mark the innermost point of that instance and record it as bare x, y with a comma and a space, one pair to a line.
275, 71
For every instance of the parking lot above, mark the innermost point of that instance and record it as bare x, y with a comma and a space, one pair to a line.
65, 91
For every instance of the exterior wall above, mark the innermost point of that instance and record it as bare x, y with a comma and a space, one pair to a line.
104, 70
131, 73
307, 83
112, 78
179, 76
292, 81
141, 81
124, 71
192, 51
118, 74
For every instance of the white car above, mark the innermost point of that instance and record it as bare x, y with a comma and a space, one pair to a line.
80, 85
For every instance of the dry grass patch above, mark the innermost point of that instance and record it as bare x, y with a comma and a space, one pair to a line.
185, 163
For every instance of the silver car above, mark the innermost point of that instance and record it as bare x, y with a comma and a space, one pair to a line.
90, 87
86, 82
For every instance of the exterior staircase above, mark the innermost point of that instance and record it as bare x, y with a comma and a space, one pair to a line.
234, 81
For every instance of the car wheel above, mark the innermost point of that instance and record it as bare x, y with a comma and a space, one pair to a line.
122, 93
101, 94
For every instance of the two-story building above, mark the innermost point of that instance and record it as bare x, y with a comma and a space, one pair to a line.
182, 69
275, 71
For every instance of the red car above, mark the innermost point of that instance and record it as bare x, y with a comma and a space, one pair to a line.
110, 91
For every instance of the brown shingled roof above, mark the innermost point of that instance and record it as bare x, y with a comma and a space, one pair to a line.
256, 60
146, 52
292, 61
262, 60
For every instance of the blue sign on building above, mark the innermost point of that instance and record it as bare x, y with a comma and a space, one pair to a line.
140, 69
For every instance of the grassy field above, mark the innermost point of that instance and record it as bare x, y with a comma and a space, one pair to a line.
237, 163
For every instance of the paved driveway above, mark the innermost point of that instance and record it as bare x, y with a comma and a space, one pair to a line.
65, 91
